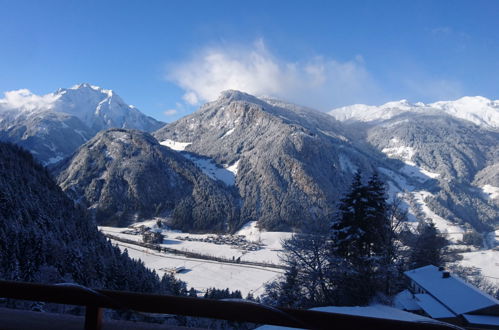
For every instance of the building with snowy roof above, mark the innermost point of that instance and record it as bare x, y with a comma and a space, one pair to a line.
441, 295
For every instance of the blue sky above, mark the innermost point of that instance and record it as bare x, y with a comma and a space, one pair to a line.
167, 57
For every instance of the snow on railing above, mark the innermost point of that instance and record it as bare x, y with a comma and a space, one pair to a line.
242, 311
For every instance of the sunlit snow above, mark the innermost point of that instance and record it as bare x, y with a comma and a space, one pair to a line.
175, 145
490, 191
203, 274
226, 174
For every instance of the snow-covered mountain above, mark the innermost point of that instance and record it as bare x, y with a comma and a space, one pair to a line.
478, 110
455, 144
123, 176
52, 126
290, 164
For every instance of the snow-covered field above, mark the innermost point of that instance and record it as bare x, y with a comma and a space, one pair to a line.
202, 274
486, 260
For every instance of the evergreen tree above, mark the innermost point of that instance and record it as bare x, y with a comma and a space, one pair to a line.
362, 243
427, 246
285, 292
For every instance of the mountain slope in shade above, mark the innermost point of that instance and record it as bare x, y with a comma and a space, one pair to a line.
291, 163
52, 126
123, 176
44, 237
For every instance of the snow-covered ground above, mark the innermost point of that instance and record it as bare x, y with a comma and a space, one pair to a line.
453, 232
225, 172
486, 260
202, 274
490, 192
178, 146
410, 168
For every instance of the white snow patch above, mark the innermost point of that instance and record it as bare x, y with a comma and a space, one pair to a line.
175, 145
233, 168
225, 173
399, 181
415, 172
410, 168
272, 242
453, 232
490, 192
229, 132
400, 152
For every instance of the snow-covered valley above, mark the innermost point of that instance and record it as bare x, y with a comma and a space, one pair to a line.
202, 274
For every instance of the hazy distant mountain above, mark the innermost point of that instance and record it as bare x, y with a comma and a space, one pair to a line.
123, 176
289, 164
455, 143
52, 126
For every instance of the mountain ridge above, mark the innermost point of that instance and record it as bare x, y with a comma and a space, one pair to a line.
52, 126
477, 109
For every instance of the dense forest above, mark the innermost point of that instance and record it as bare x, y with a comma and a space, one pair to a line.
45, 237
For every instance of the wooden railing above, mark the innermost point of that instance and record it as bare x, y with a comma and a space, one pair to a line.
96, 300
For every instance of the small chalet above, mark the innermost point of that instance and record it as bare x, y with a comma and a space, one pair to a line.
440, 295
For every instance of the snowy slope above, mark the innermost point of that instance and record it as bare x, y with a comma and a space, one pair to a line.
479, 110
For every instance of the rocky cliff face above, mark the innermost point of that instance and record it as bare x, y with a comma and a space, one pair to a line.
124, 176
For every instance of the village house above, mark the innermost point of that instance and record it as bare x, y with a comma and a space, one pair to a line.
436, 293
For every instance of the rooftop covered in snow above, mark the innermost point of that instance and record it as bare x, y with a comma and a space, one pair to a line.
455, 294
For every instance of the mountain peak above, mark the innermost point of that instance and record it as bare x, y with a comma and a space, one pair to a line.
86, 88
235, 95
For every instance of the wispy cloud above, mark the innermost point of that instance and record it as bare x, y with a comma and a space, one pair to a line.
170, 112
25, 99
319, 82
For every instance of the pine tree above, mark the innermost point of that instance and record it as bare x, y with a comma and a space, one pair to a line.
427, 246
362, 242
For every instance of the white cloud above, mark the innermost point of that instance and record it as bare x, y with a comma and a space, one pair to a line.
26, 100
318, 82
170, 112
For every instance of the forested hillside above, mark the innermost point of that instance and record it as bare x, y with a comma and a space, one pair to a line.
45, 237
